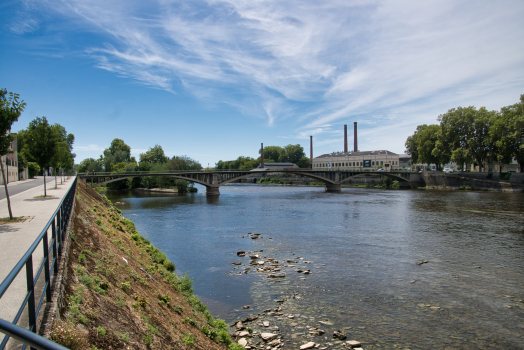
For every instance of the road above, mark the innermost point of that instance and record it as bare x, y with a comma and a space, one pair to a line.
15, 188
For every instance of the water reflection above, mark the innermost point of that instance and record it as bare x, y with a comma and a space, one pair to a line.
364, 246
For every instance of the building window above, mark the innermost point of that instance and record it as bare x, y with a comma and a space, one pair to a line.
372, 163
381, 163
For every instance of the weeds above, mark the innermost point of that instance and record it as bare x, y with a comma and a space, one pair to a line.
68, 335
188, 339
101, 331
126, 286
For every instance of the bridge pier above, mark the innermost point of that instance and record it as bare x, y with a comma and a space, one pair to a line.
212, 191
332, 187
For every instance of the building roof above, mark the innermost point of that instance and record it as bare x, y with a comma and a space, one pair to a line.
290, 165
356, 154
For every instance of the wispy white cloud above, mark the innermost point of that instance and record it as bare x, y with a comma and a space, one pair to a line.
309, 63
88, 148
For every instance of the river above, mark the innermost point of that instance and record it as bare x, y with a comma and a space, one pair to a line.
366, 250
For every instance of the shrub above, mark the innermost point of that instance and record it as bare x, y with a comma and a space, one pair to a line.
148, 340
224, 338
66, 334
126, 286
101, 331
188, 339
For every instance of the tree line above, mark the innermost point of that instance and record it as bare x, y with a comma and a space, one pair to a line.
40, 146
288, 154
117, 158
467, 135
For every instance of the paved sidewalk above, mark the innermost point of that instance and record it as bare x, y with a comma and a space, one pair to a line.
15, 239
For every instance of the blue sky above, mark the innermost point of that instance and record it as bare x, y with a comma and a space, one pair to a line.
213, 79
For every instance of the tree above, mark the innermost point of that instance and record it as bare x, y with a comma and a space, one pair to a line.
479, 144
89, 165
153, 156
41, 143
10, 110
292, 154
183, 163
507, 134
272, 152
116, 153
422, 146
63, 157
456, 132
427, 139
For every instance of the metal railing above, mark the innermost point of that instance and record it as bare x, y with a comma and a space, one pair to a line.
58, 224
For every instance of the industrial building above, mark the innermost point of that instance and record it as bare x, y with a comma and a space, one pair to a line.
356, 160
367, 160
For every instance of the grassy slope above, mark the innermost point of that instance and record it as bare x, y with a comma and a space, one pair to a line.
136, 303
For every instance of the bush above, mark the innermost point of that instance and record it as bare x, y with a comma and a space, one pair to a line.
33, 169
66, 334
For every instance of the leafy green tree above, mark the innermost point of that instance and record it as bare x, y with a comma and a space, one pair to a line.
507, 134
10, 110
292, 154
427, 139
116, 153
153, 156
304, 162
89, 165
272, 152
41, 143
183, 163
33, 169
456, 132
479, 144
63, 156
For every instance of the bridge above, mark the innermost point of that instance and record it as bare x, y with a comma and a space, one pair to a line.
333, 179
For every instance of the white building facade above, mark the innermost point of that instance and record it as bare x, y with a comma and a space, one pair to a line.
363, 161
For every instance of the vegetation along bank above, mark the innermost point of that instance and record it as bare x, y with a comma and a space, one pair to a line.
122, 292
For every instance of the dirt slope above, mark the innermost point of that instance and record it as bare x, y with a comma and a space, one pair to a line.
122, 292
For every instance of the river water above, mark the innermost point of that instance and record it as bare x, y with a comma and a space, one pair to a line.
363, 248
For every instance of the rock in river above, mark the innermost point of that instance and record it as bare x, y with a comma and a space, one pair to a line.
268, 336
309, 345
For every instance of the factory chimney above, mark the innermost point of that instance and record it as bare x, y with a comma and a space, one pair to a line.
262, 155
355, 146
345, 138
311, 149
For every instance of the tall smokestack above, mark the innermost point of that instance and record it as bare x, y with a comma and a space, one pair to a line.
261, 155
345, 138
355, 146
311, 149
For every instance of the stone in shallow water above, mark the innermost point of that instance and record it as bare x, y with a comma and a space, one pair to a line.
353, 343
268, 336
242, 342
309, 345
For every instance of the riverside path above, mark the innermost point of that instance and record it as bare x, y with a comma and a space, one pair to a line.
15, 239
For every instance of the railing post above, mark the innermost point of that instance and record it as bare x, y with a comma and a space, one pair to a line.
55, 245
58, 234
46, 267
31, 293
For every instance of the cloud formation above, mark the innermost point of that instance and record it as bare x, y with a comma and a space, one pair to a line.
394, 63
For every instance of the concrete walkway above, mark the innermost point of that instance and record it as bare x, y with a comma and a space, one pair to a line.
15, 239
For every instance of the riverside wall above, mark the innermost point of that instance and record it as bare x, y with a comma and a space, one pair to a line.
477, 181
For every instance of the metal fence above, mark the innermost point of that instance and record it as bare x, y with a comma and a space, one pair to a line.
52, 250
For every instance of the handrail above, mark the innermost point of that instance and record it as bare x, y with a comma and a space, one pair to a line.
29, 338
58, 224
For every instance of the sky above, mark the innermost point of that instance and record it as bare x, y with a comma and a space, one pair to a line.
214, 79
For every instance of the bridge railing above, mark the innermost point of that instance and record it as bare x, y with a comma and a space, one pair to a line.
51, 255
254, 170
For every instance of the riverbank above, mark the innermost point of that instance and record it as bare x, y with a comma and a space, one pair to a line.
122, 293
161, 190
